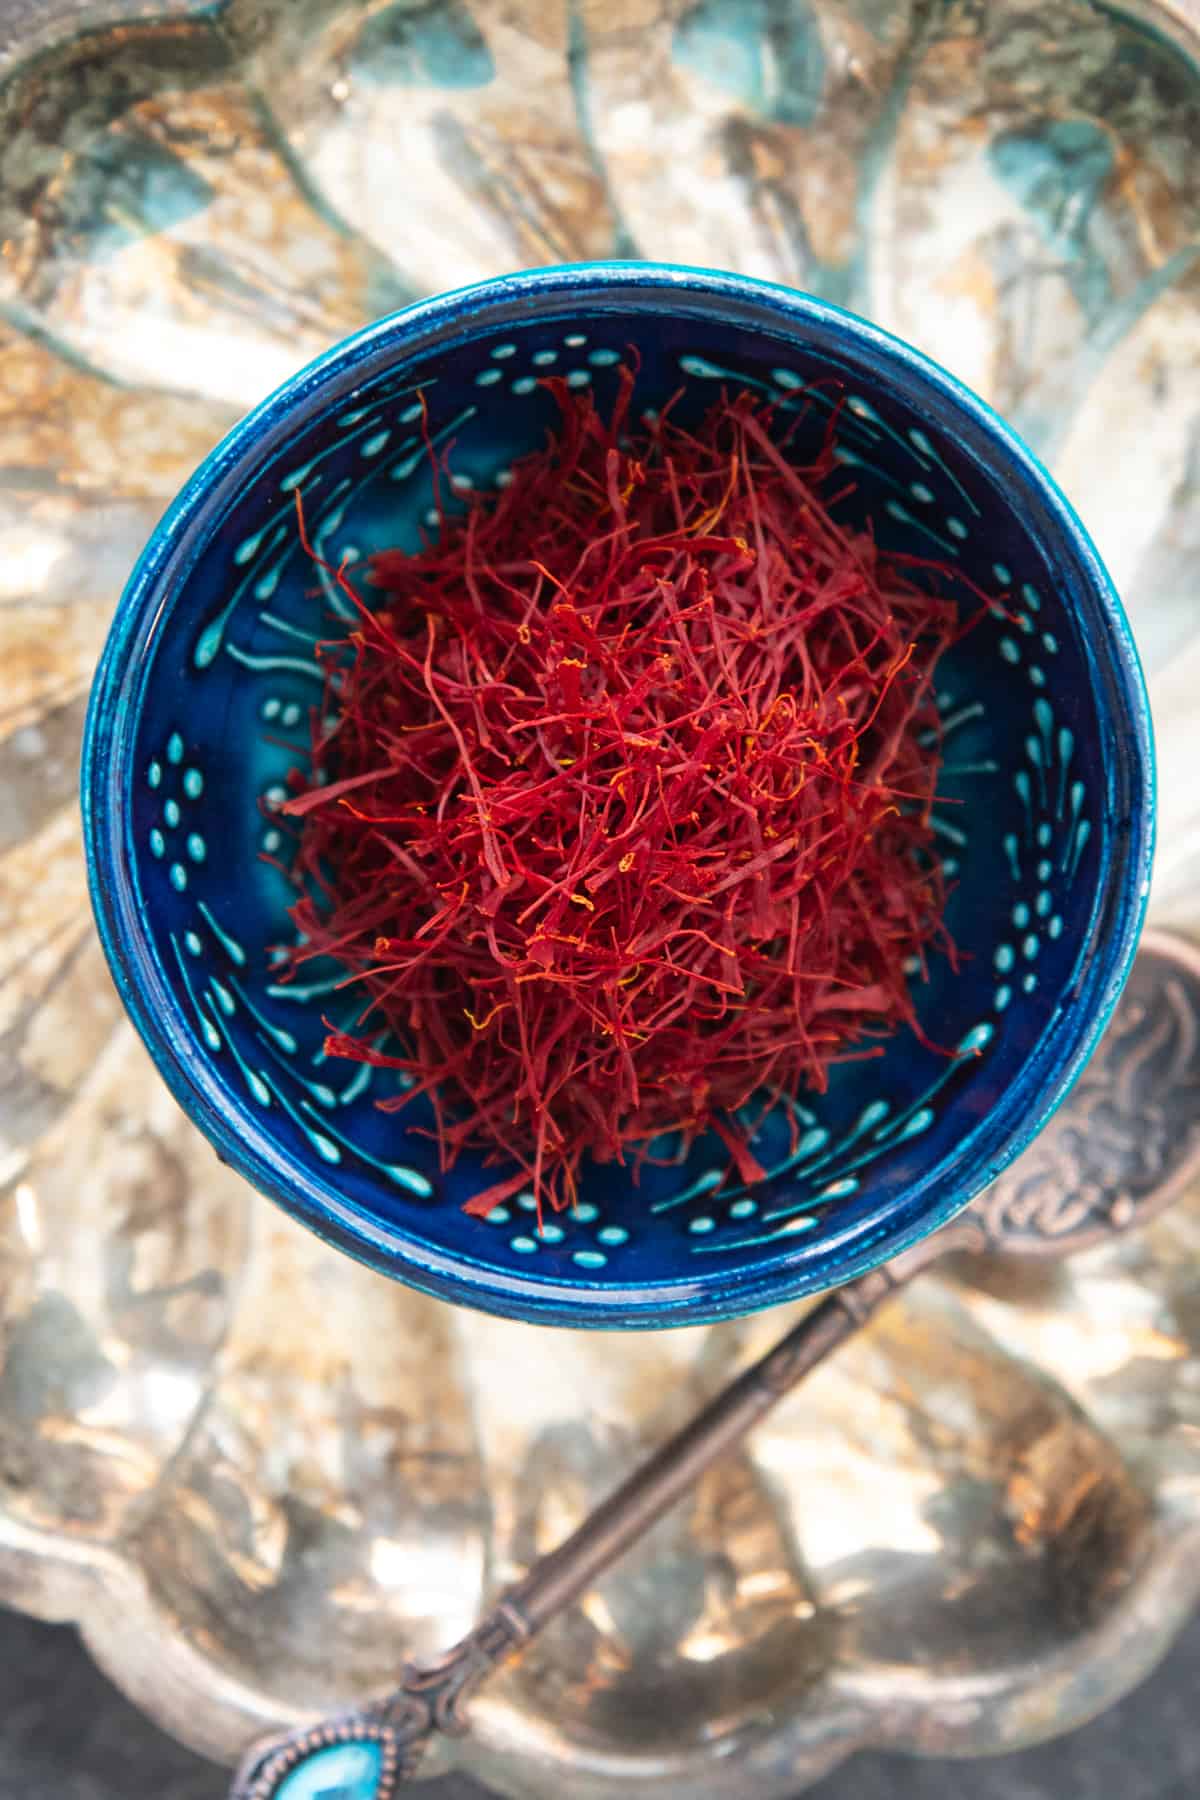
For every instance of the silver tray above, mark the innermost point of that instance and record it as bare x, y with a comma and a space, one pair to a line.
252, 1471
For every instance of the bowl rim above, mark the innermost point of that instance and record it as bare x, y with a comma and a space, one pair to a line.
226, 1119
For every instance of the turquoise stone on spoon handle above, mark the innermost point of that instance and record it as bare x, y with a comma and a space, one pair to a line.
1064, 1195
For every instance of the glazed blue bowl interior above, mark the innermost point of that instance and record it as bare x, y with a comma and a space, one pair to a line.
208, 676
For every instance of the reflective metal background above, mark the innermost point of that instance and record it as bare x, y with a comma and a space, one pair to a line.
254, 1471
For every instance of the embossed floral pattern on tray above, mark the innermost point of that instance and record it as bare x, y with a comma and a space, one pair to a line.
251, 1470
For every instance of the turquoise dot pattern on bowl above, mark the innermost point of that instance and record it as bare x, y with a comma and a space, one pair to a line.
1040, 841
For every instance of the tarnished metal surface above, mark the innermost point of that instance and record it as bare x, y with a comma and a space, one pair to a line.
252, 1470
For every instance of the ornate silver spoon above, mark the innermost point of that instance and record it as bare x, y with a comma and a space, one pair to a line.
1122, 1147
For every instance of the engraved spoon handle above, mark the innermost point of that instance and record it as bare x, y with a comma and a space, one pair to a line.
670, 1471
432, 1696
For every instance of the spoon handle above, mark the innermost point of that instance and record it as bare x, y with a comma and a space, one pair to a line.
557, 1578
432, 1695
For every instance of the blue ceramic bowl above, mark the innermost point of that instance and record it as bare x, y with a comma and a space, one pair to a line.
1047, 826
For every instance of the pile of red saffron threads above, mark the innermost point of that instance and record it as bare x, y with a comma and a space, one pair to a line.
623, 822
